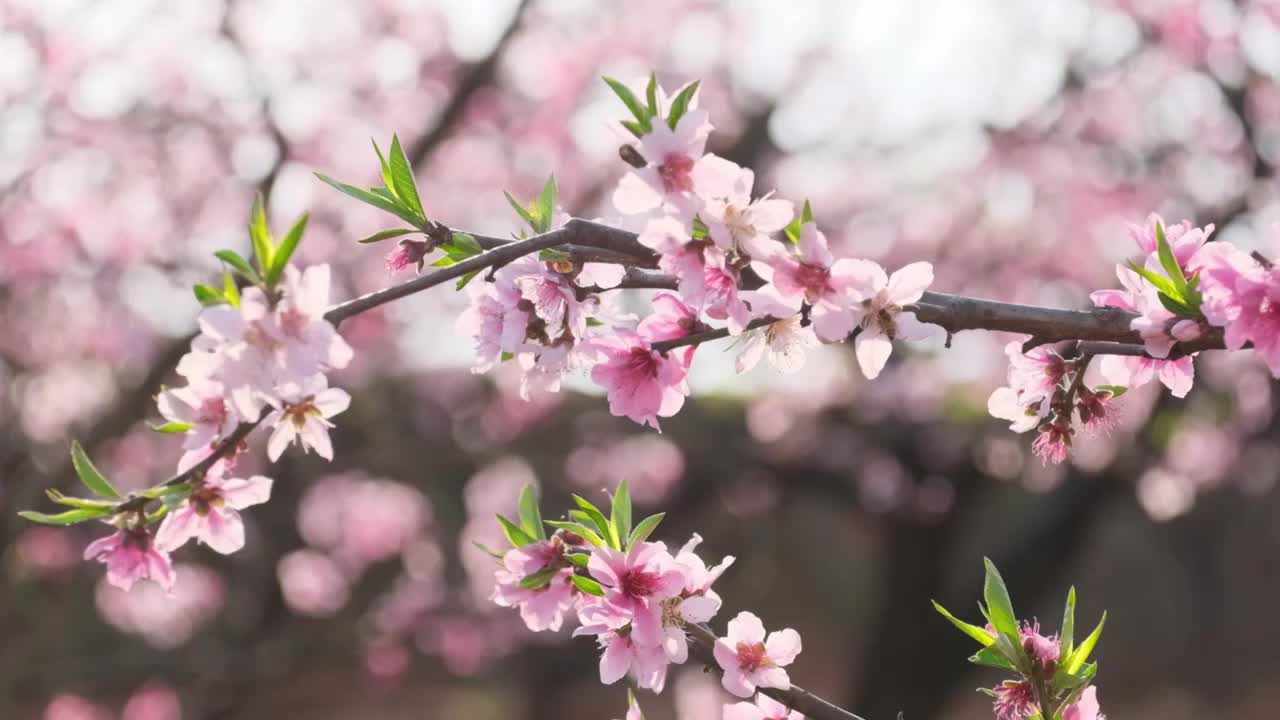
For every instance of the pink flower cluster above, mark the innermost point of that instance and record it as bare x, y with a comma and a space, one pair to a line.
648, 598
697, 211
267, 351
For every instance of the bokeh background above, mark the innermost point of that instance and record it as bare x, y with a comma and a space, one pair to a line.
1008, 142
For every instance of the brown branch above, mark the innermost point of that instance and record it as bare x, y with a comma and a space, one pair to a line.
796, 698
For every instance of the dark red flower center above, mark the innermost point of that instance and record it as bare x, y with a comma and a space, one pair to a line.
752, 656
815, 279
676, 173
639, 583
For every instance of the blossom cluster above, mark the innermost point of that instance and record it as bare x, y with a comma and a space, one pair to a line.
261, 358
641, 601
745, 261
1181, 288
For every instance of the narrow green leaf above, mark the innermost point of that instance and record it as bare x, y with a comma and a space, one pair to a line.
539, 579
237, 262
1169, 261
1175, 306
1067, 635
1070, 681
403, 182
644, 529
579, 559
285, 251
585, 519
796, 225
1115, 390
386, 169
172, 427
263, 246
651, 93
544, 206
600, 520
628, 98
464, 245
620, 512
587, 533
973, 631
1162, 283
487, 550
636, 128
462, 281
986, 657
515, 534
520, 209
82, 503
587, 585
89, 474
530, 516
680, 105
998, 602
208, 295
70, 517
386, 234
229, 289
1081, 653
373, 198
445, 261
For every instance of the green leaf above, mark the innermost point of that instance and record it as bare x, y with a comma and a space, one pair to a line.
386, 169
1115, 390
208, 295
406, 188
553, 255
89, 474
579, 559
463, 245
644, 529
620, 513
172, 427
70, 517
462, 281
987, 657
606, 527
1177, 307
651, 93
487, 550
82, 503
636, 128
1170, 262
229, 289
794, 227
373, 198
520, 209
680, 105
585, 519
628, 98
973, 631
1067, 634
1162, 283
285, 251
998, 602
587, 585
515, 534
263, 246
386, 234
1081, 653
539, 579
587, 533
506, 356
544, 206
530, 516
1070, 681
237, 262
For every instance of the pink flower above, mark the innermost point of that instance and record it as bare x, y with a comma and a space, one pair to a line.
721, 299
130, 555
1243, 298
495, 321
1096, 409
407, 253
302, 413
698, 577
1054, 442
1033, 378
812, 275
1177, 375
557, 313
541, 608
881, 316
1156, 324
734, 221
1044, 649
667, 177
1086, 708
545, 367
201, 406
209, 514
764, 708
236, 349
601, 275
311, 343
1183, 239
1015, 700
681, 255
671, 319
784, 341
623, 654
749, 660
641, 384
636, 584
